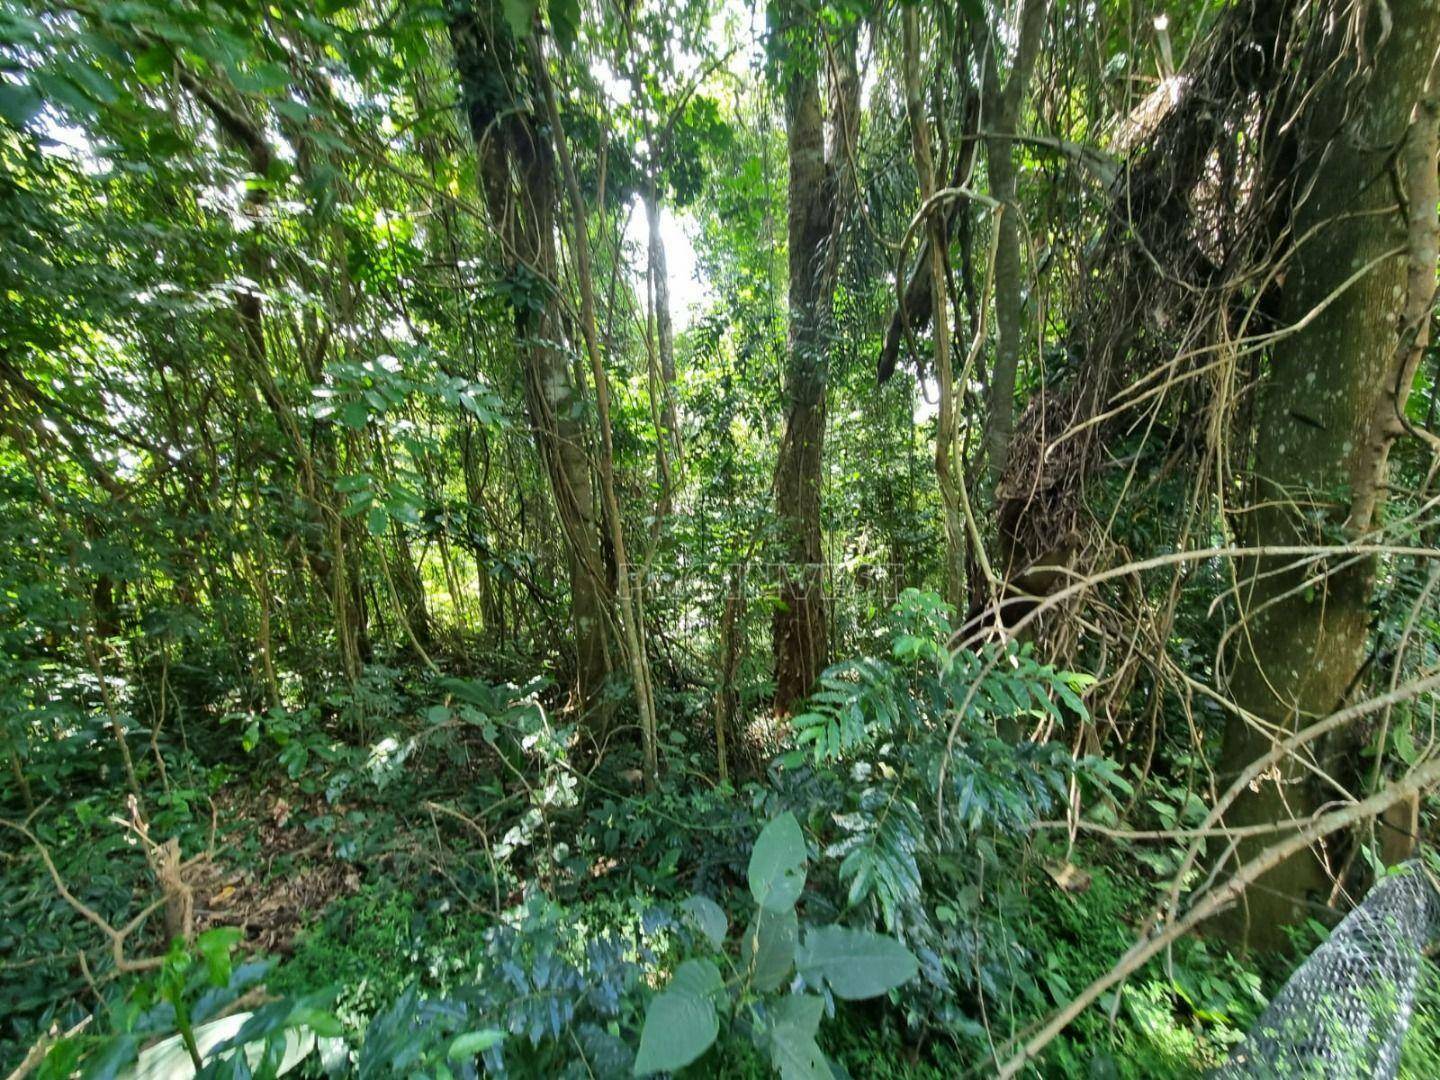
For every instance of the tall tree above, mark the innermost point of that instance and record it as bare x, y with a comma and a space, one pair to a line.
816, 215
1002, 103
631, 610
519, 182
937, 236
1356, 304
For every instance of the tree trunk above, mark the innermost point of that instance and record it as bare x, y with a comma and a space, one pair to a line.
519, 184
410, 587
946, 471
664, 329
631, 610
799, 627
1001, 117
1328, 415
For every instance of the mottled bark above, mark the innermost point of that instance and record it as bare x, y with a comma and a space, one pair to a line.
799, 629
518, 181
1319, 458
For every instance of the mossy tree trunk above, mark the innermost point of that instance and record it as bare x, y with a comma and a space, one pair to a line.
1327, 417
817, 193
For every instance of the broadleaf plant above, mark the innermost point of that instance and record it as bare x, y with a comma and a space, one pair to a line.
683, 1020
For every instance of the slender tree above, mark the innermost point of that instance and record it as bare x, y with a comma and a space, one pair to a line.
1002, 103
519, 182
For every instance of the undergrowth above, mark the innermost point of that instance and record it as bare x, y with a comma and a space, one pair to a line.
486, 899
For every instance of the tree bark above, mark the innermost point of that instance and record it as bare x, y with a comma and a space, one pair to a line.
1001, 119
1329, 410
799, 629
518, 182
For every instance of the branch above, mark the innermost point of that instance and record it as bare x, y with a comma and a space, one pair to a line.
1410, 786
89, 914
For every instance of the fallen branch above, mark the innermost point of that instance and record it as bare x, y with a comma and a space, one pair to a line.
115, 936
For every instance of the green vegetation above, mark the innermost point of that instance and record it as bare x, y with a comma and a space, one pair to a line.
805, 538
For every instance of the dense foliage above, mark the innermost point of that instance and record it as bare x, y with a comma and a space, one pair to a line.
808, 538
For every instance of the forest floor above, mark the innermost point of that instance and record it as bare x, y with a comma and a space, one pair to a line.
380, 874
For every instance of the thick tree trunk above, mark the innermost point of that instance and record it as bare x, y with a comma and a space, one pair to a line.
519, 184
800, 628
1324, 434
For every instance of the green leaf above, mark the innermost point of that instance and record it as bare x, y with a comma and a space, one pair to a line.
708, 917
796, 1056
263, 78
59, 90
768, 949
801, 1012
777, 865
153, 64
519, 14
799, 1059
215, 946
114, 1058
565, 22
355, 415
18, 104
291, 110
856, 963
679, 1027
700, 978
377, 520
97, 84
473, 1043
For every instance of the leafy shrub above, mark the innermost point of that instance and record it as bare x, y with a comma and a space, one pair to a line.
933, 797
683, 1021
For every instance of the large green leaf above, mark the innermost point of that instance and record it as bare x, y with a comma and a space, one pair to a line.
679, 1027
518, 14
799, 1058
795, 1054
768, 949
19, 104
856, 963
801, 1012
777, 865
700, 978
565, 22
708, 917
